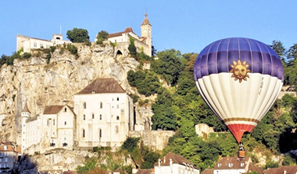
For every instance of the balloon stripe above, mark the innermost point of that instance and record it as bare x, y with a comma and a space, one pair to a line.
241, 119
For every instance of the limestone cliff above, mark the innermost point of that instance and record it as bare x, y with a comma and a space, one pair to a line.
40, 84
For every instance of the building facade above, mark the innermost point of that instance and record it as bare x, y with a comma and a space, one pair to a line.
104, 114
29, 43
142, 43
8, 157
174, 164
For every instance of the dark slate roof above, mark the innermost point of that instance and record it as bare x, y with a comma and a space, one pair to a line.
104, 85
176, 159
231, 163
281, 170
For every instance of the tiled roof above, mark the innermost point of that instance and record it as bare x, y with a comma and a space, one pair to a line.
26, 108
176, 159
53, 109
105, 85
252, 167
9, 147
207, 171
231, 163
281, 170
127, 30
144, 171
146, 21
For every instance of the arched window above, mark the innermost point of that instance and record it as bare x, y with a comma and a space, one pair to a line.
85, 105
54, 121
116, 129
118, 117
101, 105
118, 99
100, 117
65, 110
65, 123
93, 116
100, 133
48, 122
83, 133
84, 117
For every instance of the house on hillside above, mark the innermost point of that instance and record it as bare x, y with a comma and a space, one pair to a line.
8, 157
174, 164
282, 170
142, 43
30, 43
104, 114
235, 165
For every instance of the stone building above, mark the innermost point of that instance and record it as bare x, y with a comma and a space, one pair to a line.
8, 157
174, 164
104, 114
58, 127
235, 165
142, 43
29, 43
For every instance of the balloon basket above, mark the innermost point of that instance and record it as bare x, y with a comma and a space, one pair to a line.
241, 154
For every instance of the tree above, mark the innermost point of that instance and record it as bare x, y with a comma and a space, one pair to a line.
132, 47
78, 35
278, 47
168, 65
102, 36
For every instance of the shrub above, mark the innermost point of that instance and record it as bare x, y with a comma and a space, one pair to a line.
27, 55
72, 49
101, 36
130, 144
52, 48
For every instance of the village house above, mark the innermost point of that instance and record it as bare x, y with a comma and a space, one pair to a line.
8, 157
104, 114
282, 170
174, 164
29, 43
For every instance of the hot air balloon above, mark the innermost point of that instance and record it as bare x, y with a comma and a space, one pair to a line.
239, 79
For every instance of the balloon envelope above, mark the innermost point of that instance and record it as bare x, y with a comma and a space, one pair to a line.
239, 79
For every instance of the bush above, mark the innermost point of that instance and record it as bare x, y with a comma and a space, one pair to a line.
132, 47
52, 49
130, 144
27, 55
78, 35
101, 36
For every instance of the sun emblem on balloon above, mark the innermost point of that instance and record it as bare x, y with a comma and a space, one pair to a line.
240, 70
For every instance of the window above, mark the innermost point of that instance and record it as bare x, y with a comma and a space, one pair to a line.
118, 106
100, 133
93, 116
54, 121
65, 123
48, 122
35, 44
230, 164
219, 165
118, 117
85, 105
6, 159
112, 99
241, 164
84, 117
5, 147
100, 117
65, 110
117, 129
64, 138
0, 159
118, 99
101, 105
83, 133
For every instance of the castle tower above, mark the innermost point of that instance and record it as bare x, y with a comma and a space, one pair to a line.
146, 32
25, 114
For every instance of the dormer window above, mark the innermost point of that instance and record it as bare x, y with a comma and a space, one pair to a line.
219, 165
241, 164
93, 91
230, 164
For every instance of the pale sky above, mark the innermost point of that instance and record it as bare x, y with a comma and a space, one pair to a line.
186, 25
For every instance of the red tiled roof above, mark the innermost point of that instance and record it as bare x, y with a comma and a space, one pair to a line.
252, 167
146, 21
53, 109
106, 85
232, 163
281, 170
9, 147
144, 171
207, 171
127, 30
176, 159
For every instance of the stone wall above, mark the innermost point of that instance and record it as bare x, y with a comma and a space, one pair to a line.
157, 140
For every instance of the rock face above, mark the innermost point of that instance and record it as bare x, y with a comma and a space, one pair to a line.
40, 84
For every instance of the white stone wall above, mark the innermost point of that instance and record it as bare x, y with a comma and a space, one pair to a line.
33, 133
231, 171
114, 119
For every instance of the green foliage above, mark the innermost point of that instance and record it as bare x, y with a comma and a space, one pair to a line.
271, 164
52, 49
149, 158
26, 55
101, 36
254, 172
89, 165
147, 83
143, 57
72, 49
130, 144
13, 97
289, 160
132, 47
78, 35
48, 58
168, 65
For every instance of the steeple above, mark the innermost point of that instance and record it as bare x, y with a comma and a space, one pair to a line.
146, 21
